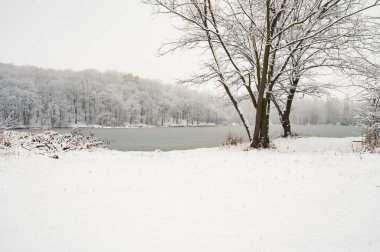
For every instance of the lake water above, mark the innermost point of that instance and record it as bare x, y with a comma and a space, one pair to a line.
182, 138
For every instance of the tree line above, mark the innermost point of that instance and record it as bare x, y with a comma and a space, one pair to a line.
311, 110
35, 97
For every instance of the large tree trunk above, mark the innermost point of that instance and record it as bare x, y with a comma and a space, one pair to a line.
285, 117
285, 122
261, 137
265, 129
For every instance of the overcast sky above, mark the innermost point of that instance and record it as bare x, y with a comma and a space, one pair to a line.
118, 35
101, 34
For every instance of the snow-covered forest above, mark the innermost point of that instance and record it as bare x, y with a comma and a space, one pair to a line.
330, 110
317, 110
36, 97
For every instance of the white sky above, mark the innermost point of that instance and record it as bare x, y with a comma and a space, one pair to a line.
101, 34
118, 35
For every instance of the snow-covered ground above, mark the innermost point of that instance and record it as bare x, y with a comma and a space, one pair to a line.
311, 194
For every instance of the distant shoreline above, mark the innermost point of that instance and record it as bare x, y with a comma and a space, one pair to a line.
116, 127
144, 126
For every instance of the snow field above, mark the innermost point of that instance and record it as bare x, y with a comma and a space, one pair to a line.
319, 197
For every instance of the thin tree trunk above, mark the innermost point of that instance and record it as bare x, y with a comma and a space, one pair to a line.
76, 112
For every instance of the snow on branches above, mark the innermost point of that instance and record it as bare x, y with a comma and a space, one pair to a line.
255, 48
50, 142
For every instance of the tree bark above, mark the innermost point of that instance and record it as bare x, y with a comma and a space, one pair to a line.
285, 117
285, 122
260, 135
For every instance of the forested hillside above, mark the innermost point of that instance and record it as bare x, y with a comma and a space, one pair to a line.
45, 97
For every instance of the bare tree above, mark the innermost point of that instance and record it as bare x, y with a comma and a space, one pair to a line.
324, 53
252, 44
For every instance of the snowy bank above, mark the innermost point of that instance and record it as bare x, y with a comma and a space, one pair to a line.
319, 144
324, 198
47, 142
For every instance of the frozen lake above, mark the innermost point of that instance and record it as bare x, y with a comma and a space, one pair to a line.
182, 138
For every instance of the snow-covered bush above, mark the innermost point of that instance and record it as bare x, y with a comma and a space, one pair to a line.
372, 138
369, 119
233, 139
48, 142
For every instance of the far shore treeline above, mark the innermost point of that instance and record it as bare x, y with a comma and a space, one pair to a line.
36, 97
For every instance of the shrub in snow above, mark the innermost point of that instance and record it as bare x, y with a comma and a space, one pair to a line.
372, 138
233, 139
51, 141
369, 119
